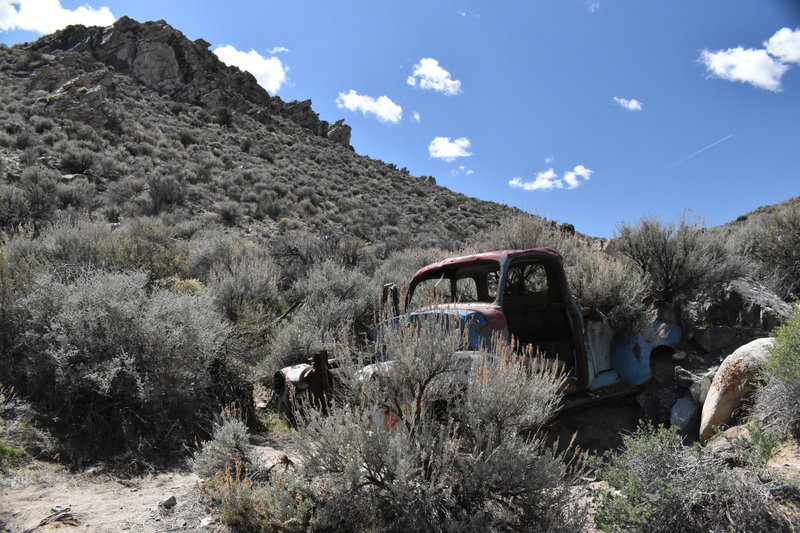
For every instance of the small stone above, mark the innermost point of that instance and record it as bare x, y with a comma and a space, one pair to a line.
169, 502
679, 356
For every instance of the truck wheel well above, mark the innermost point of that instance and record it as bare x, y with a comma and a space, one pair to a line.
662, 366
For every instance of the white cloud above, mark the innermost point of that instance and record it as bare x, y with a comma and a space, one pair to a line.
47, 16
465, 14
430, 75
382, 107
632, 105
461, 170
594, 7
416, 116
785, 45
573, 177
279, 50
747, 66
270, 73
545, 180
548, 179
549, 159
444, 148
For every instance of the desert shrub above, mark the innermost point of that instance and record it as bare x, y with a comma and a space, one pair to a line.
249, 287
19, 434
165, 193
229, 212
229, 446
39, 184
286, 503
187, 137
146, 244
12, 288
242, 277
79, 194
779, 248
661, 485
223, 116
331, 302
121, 191
756, 445
294, 341
680, 260
118, 367
528, 231
339, 297
427, 473
615, 292
75, 159
13, 208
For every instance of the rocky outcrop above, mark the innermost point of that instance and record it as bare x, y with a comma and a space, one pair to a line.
733, 380
748, 304
163, 59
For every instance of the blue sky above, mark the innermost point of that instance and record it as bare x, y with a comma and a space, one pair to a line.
589, 112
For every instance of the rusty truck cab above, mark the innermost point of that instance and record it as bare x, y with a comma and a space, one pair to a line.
523, 294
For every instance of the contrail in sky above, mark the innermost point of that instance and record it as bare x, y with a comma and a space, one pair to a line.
679, 161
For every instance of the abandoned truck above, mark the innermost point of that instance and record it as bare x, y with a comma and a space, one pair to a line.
523, 296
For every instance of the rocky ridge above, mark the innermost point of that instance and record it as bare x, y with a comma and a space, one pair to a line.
163, 59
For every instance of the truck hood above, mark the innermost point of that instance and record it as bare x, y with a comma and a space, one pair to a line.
478, 320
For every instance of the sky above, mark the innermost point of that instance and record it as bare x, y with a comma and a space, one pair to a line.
591, 112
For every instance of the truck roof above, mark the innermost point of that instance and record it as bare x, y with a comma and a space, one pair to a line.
500, 256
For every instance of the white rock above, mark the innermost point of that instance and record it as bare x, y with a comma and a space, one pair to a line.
684, 415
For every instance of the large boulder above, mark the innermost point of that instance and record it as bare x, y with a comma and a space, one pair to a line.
731, 383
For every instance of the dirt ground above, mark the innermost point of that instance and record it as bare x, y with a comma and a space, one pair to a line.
48, 494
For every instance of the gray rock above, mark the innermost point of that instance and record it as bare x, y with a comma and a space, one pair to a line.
717, 337
169, 503
748, 304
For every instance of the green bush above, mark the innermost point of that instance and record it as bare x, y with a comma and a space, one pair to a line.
777, 402
660, 485
784, 356
117, 366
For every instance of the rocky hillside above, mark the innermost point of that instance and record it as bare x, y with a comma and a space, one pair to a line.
139, 120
